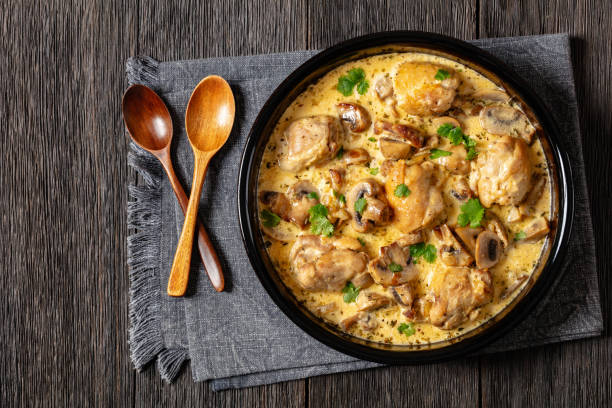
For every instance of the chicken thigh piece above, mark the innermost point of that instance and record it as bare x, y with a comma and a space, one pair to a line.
503, 172
423, 206
308, 141
419, 92
324, 266
457, 292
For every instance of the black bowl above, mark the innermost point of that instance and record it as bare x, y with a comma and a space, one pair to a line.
492, 68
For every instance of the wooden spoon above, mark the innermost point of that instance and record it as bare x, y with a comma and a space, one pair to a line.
150, 127
208, 121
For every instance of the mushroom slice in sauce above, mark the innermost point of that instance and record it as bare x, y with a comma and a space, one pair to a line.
488, 249
403, 294
515, 285
367, 321
336, 177
410, 239
405, 133
394, 149
355, 156
384, 87
506, 120
302, 199
308, 141
393, 266
376, 212
277, 202
367, 301
495, 225
491, 96
460, 189
452, 252
537, 229
362, 280
457, 162
355, 116
468, 236
442, 120
526, 207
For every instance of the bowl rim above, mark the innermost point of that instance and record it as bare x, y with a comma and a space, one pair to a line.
249, 224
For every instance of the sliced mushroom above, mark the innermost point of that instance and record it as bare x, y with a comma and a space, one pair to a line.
437, 122
394, 149
410, 239
393, 257
355, 116
514, 214
327, 308
468, 236
385, 166
336, 177
456, 162
403, 294
505, 120
356, 156
376, 211
526, 207
452, 252
461, 190
362, 280
284, 232
495, 225
491, 95
277, 202
398, 131
515, 285
339, 217
384, 87
537, 229
367, 321
371, 301
488, 250
302, 199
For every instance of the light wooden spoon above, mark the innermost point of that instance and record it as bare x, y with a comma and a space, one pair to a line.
208, 121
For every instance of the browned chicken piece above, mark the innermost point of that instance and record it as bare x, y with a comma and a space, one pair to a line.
367, 301
355, 116
393, 266
376, 211
457, 292
495, 225
367, 321
277, 202
309, 141
460, 189
488, 249
336, 177
537, 229
505, 120
451, 252
418, 92
423, 207
355, 156
503, 172
457, 162
323, 267
301, 198
468, 237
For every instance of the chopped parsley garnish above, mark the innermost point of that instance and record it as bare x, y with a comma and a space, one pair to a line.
420, 250
372, 139
360, 205
407, 329
355, 76
471, 213
456, 137
340, 152
395, 268
269, 219
313, 195
374, 171
319, 224
442, 74
402, 190
340, 197
437, 153
361, 241
519, 235
350, 292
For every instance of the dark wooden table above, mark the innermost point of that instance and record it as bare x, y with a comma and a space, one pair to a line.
63, 175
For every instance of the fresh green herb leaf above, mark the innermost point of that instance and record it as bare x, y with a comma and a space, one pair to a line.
319, 224
356, 75
437, 153
340, 152
402, 190
350, 292
471, 213
360, 205
407, 329
442, 74
345, 86
395, 268
519, 235
269, 219
374, 171
445, 129
372, 139
471, 153
340, 197
361, 241
313, 195
362, 87
420, 250
456, 137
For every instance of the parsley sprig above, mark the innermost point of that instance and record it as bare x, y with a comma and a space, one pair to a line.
456, 137
520, 235
442, 74
471, 213
420, 250
350, 292
340, 197
269, 219
437, 153
355, 76
402, 190
319, 224
407, 329
360, 205
395, 268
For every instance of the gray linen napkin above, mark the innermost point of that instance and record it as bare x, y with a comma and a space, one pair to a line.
239, 338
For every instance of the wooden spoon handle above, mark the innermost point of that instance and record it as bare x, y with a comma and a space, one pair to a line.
179, 276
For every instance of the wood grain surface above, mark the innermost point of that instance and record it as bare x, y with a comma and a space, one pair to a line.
63, 174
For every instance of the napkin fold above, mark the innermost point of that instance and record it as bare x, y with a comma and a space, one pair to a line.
239, 338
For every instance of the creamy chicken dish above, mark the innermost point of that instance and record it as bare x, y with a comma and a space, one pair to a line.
404, 198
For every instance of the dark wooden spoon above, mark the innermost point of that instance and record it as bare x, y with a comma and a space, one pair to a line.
150, 126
